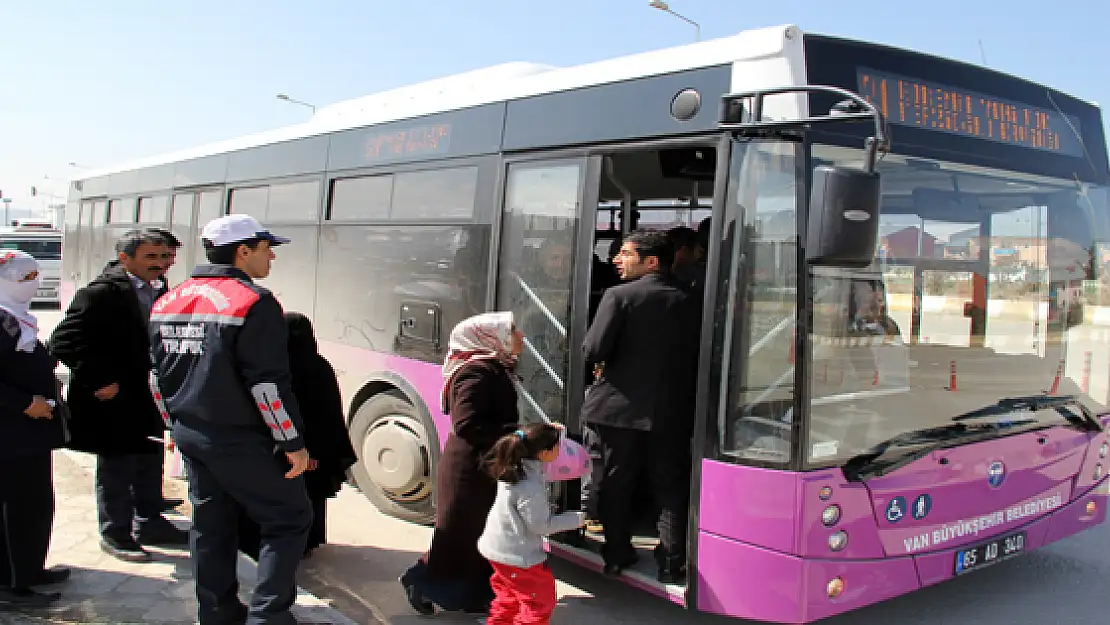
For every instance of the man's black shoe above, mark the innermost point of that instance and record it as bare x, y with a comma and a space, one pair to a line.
27, 598
613, 569
672, 575
126, 550
51, 576
167, 535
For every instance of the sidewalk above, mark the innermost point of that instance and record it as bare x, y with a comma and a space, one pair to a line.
106, 590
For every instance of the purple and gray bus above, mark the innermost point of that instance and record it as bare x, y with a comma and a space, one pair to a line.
904, 371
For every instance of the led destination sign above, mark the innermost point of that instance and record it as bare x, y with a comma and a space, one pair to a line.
418, 141
933, 106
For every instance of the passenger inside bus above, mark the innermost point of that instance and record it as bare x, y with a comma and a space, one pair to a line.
642, 405
655, 203
684, 240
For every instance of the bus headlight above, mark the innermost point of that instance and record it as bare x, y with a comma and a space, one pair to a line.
1098, 472
1102, 451
830, 515
1092, 508
835, 587
838, 541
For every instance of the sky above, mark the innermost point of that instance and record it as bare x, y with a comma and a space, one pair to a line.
98, 83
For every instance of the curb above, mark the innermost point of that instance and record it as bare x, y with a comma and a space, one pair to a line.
308, 608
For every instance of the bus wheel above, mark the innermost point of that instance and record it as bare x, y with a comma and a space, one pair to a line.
394, 468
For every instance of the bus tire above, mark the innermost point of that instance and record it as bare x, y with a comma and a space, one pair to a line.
395, 469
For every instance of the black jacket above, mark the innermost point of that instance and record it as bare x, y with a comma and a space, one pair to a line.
317, 392
103, 340
220, 359
22, 376
645, 336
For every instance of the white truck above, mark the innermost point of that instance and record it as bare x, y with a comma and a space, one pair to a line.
44, 242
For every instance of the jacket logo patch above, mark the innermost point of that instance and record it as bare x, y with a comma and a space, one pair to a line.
187, 338
207, 296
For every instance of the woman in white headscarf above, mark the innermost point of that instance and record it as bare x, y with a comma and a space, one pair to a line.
29, 431
480, 397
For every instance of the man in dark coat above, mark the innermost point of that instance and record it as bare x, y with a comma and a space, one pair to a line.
103, 340
160, 285
644, 343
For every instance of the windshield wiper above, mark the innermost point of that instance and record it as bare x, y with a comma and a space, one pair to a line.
1061, 403
928, 440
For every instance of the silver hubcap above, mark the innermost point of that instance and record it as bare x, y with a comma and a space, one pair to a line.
395, 456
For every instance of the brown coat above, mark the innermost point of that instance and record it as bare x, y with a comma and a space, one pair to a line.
482, 405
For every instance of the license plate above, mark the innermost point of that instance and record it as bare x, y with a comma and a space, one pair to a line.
44, 294
986, 554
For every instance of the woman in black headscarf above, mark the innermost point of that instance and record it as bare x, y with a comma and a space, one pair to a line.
325, 431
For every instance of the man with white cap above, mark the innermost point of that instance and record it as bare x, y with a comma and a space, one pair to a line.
221, 378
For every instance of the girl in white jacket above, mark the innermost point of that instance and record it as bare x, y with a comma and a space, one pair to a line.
523, 585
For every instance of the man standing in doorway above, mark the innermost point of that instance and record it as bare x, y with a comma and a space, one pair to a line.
104, 340
644, 343
221, 375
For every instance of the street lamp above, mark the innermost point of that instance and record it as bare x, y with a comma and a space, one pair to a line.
282, 96
663, 6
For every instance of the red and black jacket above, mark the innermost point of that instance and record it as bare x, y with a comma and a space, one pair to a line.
218, 342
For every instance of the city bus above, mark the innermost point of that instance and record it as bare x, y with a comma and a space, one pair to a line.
887, 398
44, 242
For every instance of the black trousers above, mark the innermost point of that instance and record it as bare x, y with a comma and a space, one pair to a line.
665, 460
129, 488
26, 517
250, 539
226, 477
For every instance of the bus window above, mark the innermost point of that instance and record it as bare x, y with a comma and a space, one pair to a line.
154, 210
41, 249
537, 262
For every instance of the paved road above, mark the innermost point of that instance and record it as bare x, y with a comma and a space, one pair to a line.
357, 571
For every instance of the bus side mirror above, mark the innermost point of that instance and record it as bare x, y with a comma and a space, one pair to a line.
843, 224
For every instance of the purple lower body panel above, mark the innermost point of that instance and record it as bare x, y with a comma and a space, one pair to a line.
747, 581
356, 366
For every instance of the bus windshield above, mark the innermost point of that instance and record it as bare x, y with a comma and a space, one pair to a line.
41, 249
986, 285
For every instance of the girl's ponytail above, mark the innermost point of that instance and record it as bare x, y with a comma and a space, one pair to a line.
506, 459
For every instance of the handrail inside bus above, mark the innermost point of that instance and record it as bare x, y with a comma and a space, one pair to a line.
546, 367
779, 327
531, 401
774, 386
782, 325
539, 304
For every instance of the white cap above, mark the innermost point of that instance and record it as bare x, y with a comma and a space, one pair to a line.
235, 228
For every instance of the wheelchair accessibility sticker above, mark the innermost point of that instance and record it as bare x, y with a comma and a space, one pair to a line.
896, 509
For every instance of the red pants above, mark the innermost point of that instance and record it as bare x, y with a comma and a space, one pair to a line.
522, 596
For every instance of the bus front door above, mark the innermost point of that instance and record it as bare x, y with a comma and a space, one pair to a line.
543, 224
